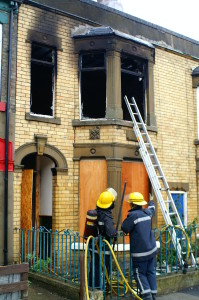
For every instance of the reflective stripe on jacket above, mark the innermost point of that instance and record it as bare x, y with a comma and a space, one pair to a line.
138, 225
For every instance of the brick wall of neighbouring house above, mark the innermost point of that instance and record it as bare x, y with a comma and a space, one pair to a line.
175, 106
175, 101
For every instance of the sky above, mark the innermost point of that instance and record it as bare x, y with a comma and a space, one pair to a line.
181, 16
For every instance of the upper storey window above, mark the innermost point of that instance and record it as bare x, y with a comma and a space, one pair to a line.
43, 64
133, 83
93, 85
127, 70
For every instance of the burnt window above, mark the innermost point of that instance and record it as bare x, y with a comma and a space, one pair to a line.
133, 83
93, 85
43, 62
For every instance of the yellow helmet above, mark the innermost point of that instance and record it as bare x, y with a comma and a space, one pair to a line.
137, 198
106, 198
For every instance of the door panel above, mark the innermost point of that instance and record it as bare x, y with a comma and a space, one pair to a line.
93, 181
26, 199
134, 173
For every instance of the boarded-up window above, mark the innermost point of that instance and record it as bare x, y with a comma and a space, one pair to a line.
93, 181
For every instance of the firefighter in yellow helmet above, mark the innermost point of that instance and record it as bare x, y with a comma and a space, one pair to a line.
142, 244
106, 229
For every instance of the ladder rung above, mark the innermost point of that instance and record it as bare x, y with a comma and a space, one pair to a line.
155, 166
165, 190
167, 201
160, 177
183, 239
172, 213
132, 103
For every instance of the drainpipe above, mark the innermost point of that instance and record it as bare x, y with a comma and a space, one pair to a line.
7, 138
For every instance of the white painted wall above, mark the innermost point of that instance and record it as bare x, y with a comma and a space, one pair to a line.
45, 191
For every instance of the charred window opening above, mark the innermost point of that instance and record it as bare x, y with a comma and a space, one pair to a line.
43, 60
133, 84
93, 85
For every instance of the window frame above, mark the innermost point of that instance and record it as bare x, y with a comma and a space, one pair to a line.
184, 204
52, 64
90, 69
144, 76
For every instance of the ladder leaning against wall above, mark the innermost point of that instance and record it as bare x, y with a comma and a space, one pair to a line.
157, 178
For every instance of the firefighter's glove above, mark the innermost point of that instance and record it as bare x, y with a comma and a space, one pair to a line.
150, 197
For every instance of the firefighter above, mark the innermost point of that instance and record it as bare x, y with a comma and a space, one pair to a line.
106, 229
142, 244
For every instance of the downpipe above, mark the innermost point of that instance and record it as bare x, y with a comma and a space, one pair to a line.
7, 138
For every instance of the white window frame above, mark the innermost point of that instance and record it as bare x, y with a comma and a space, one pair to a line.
184, 204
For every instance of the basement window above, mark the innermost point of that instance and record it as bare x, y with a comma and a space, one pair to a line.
133, 84
93, 85
43, 63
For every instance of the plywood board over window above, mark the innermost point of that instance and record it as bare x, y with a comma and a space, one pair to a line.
93, 181
135, 174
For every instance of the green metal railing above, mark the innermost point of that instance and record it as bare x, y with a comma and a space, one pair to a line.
57, 254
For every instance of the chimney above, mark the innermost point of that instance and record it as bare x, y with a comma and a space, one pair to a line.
112, 3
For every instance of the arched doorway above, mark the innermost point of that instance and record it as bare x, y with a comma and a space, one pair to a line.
36, 191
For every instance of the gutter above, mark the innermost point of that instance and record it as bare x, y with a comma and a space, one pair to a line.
14, 7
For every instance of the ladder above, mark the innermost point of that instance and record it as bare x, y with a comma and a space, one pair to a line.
156, 176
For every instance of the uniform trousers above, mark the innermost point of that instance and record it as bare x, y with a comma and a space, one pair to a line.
145, 275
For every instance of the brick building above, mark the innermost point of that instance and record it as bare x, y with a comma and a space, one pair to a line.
73, 135
8, 43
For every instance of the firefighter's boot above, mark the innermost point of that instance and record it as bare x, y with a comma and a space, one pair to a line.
147, 296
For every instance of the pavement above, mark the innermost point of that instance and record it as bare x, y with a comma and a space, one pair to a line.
37, 291
191, 293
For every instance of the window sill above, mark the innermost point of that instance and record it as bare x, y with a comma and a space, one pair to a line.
30, 117
105, 122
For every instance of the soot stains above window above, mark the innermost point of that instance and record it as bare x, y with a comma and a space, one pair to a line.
43, 63
93, 85
133, 84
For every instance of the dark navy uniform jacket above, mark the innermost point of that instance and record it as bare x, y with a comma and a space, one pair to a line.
105, 223
138, 225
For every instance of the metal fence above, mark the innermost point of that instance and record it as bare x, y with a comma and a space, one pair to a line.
57, 254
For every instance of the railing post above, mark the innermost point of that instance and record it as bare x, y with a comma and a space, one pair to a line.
82, 277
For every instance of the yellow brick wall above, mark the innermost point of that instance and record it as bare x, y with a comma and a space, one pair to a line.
175, 106
175, 102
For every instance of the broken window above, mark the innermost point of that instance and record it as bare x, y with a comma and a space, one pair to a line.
43, 62
93, 85
133, 83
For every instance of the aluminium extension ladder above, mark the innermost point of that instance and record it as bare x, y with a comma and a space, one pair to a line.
156, 176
